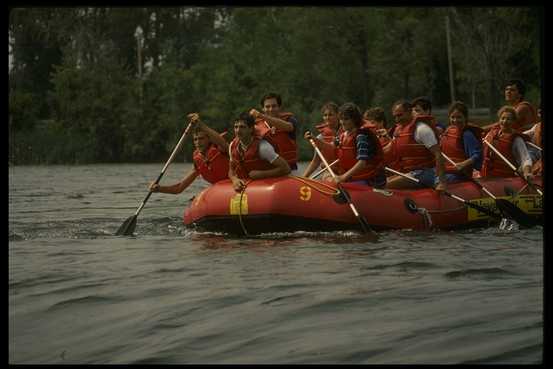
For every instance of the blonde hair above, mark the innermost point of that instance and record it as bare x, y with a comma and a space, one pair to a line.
507, 109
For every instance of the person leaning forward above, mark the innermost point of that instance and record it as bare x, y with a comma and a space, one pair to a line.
414, 149
252, 157
277, 127
209, 157
359, 151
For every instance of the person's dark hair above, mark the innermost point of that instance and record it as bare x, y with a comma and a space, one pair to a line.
518, 83
271, 95
377, 114
351, 111
406, 105
422, 101
331, 105
246, 118
459, 106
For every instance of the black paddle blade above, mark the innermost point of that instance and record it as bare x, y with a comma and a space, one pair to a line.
369, 232
127, 228
512, 211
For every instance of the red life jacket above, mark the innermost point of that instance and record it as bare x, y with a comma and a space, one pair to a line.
451, 144
347, 153
493, 165
408, 154
244, 162
284, 145
519, 124
213, 166
329, 136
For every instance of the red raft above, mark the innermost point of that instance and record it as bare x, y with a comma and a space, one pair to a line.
289, 204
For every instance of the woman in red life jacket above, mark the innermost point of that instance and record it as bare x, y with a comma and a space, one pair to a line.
252, 157
329, 131
415, 149
514, 97
461, 143
510, 144
359, 152
209, 157
277, 127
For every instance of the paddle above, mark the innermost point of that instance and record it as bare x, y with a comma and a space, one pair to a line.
507, 208
513, 167
128, 226
534, 145
313, 176
364, 224
467, 203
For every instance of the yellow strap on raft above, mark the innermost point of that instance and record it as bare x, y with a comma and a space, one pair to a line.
240, 207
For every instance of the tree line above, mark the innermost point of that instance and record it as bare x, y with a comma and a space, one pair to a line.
104, 84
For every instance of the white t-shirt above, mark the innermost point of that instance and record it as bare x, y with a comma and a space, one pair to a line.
267, 151
520, 152
425, 135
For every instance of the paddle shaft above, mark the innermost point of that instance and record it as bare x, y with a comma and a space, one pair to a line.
447, 193
512, 167
173, 154
472, 179
534, 145
363, 222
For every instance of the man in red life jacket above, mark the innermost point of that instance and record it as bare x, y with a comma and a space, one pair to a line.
423, 106
510, 144
277, 127
415, 149
252, 157
526, 114
209, 157
329, 131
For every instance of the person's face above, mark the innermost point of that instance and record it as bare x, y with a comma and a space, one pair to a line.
400, 115
347, 124
506, 120
457, 118
271, 107
201, 141
330, 117
418, 110
512, 94
242, 130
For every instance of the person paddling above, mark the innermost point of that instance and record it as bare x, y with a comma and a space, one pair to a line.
277, 127
252, 157
461, 142
210, 158
510, 144
414, 149
326, 140
359, 151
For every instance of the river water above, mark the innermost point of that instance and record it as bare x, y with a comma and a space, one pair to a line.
78, 294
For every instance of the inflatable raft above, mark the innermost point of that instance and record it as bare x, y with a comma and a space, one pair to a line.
289, 204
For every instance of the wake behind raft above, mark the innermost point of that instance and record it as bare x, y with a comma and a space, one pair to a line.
290, 204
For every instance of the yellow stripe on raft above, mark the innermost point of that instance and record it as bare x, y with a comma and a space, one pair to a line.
530, 204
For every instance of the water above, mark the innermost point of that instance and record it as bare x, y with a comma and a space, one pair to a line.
78, 294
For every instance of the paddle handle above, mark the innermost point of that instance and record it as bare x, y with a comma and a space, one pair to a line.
534, 145
322, 157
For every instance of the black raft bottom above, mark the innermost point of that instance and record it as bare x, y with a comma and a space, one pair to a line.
270, 223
